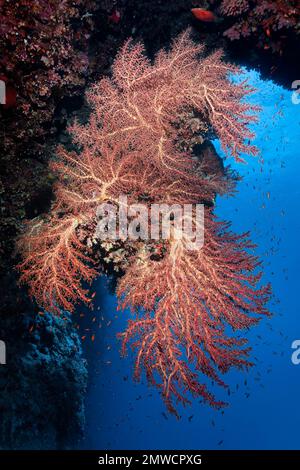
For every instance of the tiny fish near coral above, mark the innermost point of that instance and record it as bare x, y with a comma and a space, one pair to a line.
115, 17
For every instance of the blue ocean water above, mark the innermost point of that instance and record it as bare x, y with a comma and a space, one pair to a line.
263, 411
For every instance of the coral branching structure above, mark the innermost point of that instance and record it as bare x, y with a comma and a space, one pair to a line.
183, 300
194, 295
44, 63
269, 21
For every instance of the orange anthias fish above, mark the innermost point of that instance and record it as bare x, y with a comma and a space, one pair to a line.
204, 15
115, 17
268, 32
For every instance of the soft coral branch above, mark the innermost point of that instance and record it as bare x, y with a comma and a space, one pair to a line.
55, 263
141, 101
189, 297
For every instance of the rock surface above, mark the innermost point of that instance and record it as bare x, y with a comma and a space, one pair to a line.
43, 384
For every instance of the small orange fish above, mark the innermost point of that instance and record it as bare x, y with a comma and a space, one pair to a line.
268, 32
204, 15
93, 338
115, 17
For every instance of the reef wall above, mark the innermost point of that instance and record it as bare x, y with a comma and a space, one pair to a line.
43, 384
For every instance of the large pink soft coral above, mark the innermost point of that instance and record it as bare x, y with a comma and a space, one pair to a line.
130, 147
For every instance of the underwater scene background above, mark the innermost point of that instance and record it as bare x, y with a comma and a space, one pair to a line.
64, 383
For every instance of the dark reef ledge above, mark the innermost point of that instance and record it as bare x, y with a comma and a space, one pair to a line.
43, 384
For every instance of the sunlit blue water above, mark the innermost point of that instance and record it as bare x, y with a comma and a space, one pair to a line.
264, 412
